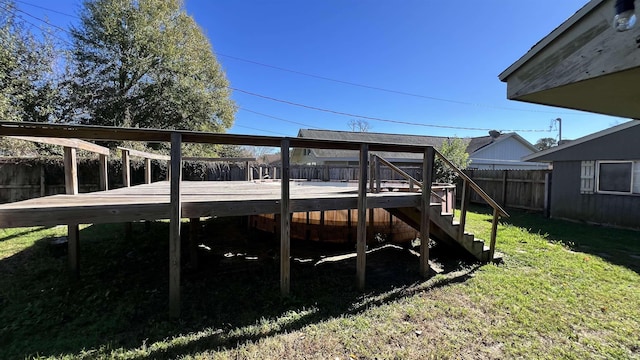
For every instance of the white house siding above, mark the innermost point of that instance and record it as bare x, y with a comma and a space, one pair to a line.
504, 155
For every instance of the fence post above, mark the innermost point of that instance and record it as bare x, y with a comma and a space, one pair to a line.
548, 179
43, 186
372, 175
504, 188
376, 165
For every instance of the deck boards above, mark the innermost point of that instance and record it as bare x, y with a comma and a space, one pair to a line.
199, 199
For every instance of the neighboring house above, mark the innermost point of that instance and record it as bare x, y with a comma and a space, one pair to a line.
495, 151
597, 178
583, 64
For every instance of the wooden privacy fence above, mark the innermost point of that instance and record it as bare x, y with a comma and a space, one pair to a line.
346, 173
521, 189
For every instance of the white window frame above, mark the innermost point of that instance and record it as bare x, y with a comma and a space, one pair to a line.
630, 192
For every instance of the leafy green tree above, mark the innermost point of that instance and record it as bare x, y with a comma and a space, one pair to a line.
146, 63
455, 150
27, 88
545, 143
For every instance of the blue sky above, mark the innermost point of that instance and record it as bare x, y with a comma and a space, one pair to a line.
449, 56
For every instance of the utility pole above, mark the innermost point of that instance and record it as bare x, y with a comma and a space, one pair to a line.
559, 120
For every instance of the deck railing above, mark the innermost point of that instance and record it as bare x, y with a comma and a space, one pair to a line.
467, 186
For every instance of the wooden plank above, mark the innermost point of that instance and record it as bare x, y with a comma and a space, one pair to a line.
144, 154
199, 199
70, 171
155, 135
427, 169
285, 222
72, 143
104, 172
361, 260
126, 168
174, 226
73, 249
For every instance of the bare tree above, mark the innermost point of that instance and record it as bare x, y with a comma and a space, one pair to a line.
359, 125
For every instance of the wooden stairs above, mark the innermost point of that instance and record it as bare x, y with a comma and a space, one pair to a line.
445, 229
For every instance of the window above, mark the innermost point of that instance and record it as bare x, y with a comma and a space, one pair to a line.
622, 177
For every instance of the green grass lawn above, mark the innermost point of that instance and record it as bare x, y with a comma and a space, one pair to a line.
564, 291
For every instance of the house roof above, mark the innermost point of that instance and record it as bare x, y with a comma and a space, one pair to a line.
535, 49
473, 144
609, 144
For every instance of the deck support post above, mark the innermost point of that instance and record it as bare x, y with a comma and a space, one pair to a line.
104, 174
427, 171
126, 182
174, 226
73, 249
361, 261
147, 171
126, 168
194, 232
285, 221
70, 171
73, 230
376, 166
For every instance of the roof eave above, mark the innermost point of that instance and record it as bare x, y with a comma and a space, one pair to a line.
567, 24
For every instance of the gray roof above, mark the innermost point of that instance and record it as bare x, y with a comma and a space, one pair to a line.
615, 143
473, 144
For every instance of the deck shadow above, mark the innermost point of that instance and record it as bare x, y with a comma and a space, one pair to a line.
121, 298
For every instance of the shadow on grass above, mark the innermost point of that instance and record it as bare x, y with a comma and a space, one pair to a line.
22, 233
617, 246
121, 298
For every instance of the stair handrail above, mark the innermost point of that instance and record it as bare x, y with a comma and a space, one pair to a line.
497, 209
405, 175
473, 185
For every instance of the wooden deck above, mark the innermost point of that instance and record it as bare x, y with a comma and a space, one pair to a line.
198, 199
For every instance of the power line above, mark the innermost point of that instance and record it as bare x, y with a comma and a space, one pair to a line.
459, 102
267, 131
281, 119
37, 18
48, 9
376, 118
36, 26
